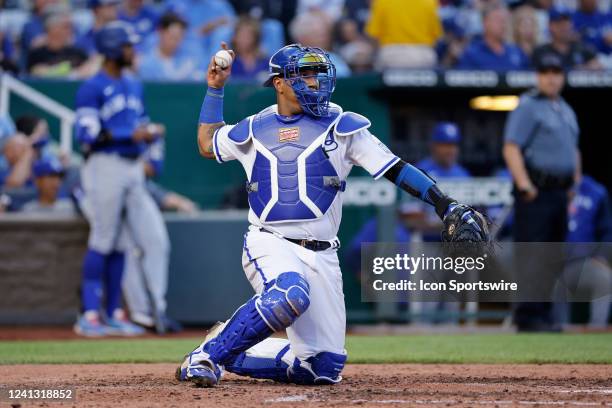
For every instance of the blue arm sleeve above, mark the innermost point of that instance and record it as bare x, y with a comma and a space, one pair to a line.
87, 124
418, 184
414, 179
212, 107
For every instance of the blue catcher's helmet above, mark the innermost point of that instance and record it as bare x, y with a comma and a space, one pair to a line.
113, 37
291, 62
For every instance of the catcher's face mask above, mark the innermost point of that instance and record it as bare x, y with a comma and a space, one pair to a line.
312, 77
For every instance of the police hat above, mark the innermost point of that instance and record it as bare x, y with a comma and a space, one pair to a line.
548, 61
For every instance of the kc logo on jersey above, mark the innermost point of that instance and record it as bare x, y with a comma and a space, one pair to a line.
291, 134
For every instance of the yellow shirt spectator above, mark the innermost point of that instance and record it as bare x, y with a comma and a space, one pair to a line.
411, 22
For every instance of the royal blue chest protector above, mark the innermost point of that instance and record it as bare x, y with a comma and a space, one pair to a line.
292, 178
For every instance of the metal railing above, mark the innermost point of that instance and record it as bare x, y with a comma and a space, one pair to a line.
9, 84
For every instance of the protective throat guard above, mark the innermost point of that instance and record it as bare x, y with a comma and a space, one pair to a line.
292, 178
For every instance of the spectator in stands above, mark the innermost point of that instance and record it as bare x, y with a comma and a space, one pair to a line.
7, 129
450, 48
7, 54
406, 32
542, 13
492, 52
143, 18
275, 16
34, 128
541, 152
358, 11
594, 27
331, 8
249, 63
315, 29
525, 29
48, 173
168, 61
58, 57
19, 155
352, 46
33, 32
104, 11
209, 23
574, 54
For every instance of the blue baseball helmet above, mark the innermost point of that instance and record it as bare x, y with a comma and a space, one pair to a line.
113, 37
446, 132
295, 63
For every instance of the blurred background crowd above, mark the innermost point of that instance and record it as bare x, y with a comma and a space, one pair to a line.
54, 38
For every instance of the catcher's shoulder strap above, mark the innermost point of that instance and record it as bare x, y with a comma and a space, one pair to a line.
351, 123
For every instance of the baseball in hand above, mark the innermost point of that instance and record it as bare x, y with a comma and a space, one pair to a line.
223, 59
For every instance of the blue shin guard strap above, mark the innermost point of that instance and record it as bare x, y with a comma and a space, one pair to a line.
261, 367
245, 329
323, 368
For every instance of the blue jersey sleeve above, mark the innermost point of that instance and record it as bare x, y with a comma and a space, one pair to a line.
87, 123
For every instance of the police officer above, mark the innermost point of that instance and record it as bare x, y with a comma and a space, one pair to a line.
541, 152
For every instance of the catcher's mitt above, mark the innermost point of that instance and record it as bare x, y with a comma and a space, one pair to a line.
465, 224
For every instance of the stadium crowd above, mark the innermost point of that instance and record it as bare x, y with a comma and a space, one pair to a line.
54, 38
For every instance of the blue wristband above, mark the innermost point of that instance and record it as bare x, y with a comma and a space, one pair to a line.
212, 107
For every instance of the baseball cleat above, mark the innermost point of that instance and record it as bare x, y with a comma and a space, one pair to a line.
89, 325
196, 367
119, 325
203, 373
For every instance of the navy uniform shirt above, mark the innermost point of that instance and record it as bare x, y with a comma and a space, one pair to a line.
547, 132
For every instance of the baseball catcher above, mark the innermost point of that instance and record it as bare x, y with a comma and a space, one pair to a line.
297, 155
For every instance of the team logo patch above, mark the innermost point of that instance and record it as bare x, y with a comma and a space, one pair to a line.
291, 134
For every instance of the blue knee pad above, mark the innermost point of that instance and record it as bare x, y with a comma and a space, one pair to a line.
275, 309
285, 300
323, 368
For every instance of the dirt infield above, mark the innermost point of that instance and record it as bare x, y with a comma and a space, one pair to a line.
146, 385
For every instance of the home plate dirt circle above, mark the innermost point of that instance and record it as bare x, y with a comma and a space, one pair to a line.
367, 385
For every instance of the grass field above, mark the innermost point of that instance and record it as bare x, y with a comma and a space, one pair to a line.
488, 348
